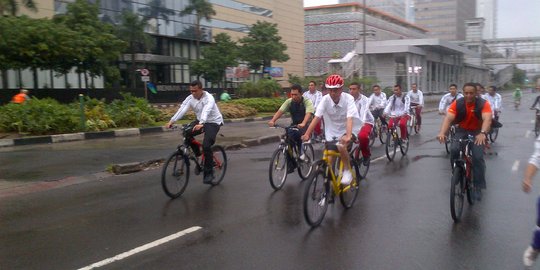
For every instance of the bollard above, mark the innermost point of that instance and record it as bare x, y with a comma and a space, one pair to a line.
83, 116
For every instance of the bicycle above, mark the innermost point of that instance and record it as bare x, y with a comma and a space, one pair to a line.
462, 178
393, 141
494, 132
412, 123
175, 172
325, 185
286, 157
451, 135
356, 154
536, 121
377, 131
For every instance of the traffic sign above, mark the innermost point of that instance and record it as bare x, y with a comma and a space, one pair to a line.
144, 72
145, 78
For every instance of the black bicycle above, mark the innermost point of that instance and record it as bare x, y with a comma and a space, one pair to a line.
286, 158
378, 131
451, 135
393, 141
462, 178
494, 132
175, 173
536, 122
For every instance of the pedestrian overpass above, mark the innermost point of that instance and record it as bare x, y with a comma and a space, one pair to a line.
511, 51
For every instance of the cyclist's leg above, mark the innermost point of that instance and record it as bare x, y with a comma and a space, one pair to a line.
454, 147
383, 119
391, 123
195, 145
344, 154
536, 235
210, 132
479, 166
296, 136
419, 115
403, 126
363, 140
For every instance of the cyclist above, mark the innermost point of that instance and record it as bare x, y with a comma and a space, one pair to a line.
473, 117
365, 123
209, 120
495, 101
417, 100
315, 96
300, 109
537, 100
531, 253
517, 97
398, 108
480, 90
377, 103
448, 98
338, 110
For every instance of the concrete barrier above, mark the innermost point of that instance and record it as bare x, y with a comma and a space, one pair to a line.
67, 137
127, 132
6, 142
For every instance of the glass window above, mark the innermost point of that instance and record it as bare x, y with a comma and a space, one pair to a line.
244, 7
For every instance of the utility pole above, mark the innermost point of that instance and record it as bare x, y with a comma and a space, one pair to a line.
363, 38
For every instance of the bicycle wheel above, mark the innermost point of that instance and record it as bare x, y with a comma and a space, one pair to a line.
470, 190
359, 160
304, 166
447, 143
536, 127
416, 128
456, 193
220, 164
278, 169
493, 135
391, 146
175, 175
316, 195
372, 136
411, 122
348, 194
382, 131
404, 147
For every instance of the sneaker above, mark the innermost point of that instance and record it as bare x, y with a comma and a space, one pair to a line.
346, 179
529, 256
366, 160
208, 179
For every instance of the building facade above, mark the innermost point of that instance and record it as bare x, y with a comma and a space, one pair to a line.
445, 19
487, 9
175, 38
396, 8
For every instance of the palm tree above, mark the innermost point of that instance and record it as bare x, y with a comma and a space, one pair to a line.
131, 30
11, 7
156, 10
202, 9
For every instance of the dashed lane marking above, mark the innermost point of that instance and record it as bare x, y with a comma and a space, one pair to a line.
515, 167
142, 248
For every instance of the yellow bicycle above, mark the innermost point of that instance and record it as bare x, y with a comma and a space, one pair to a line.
326, 184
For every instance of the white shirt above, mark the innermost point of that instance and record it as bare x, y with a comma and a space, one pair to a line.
446, 100
417, 97
335, 115
365, 116
400, 108
495, 102
535, 158
205, 108
315, 97
377, 102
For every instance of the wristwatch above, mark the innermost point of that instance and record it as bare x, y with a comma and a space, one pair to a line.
483, 132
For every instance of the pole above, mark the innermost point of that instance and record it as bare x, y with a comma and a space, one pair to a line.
145, 91
364, 39
81, 109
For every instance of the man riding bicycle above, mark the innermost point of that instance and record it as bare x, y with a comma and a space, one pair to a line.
417, 101
300, 109
473, 116
517, 96
315, 96
209, 121
495, 101
338, 110
448, 98
365, 123
398, 109
377, 103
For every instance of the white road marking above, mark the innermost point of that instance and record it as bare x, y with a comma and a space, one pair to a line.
515, 166
142, 248
532, 121
379, 158
527, 134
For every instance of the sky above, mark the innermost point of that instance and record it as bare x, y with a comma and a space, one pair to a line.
516, 18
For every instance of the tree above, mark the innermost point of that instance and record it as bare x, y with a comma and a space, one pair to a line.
11, 7
216, 58
262, 45
97, 45
156, 10
131, 30
519, 76
202, 9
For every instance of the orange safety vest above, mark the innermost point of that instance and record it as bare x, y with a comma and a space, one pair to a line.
19, 98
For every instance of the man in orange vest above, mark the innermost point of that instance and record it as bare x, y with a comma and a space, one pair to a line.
21, 97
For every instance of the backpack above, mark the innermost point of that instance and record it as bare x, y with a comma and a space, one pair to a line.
462, 109
394, 100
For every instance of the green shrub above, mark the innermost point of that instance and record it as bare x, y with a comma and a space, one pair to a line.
261, 88
260, 104
133, 112
38, 116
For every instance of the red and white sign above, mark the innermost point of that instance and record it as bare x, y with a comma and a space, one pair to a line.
144, 72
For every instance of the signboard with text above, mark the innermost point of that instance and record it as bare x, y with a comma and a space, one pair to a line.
274, 71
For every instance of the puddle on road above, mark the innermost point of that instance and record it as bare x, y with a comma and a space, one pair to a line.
264, 159
419, 157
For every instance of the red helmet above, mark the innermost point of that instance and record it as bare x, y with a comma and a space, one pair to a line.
334, 81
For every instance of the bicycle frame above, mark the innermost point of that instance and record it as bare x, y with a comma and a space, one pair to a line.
185, 149
329, 171
465, 157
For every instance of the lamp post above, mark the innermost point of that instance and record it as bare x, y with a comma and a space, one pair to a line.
363, 38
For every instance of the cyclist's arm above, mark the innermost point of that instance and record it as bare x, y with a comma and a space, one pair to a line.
181, 111
310, 128
277, 115
536, 101
532, 167
284, 108
407, 104
442, 104
388, 105
421, 98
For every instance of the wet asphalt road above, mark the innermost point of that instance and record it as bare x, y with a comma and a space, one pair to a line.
401, 219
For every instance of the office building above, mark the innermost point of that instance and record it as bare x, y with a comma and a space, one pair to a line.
445, 19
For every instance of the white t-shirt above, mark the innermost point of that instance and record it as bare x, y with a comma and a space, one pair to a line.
417, 97
335, 115
315, 97
400, 108
495, 102
377, 102
446, 100
365, 116
205, 108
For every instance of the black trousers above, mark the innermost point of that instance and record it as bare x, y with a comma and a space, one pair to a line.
378, 113
210, 133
